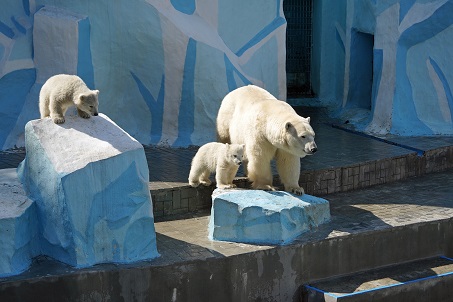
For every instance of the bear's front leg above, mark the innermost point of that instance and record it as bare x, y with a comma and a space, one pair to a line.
222, 176
83, 113
288, 167
259, 173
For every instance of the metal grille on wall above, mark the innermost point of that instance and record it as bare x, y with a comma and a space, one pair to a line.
298, 15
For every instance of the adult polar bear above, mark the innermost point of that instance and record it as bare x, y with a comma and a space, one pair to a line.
269, 128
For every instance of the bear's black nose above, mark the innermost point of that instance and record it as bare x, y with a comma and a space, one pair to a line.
95, 114
313, 150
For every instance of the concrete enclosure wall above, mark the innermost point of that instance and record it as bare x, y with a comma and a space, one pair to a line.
385, 65
162, 66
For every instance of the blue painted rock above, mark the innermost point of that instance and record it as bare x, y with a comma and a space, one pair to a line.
89, 179
18, 225
264, 217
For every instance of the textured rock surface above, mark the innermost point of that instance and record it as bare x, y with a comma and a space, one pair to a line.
18, 225
89, 179
255, 216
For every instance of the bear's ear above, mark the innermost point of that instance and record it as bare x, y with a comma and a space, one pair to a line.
96, 92
308, 119
81, 98
288, 125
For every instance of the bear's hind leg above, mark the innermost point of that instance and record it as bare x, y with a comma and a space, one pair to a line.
198, 173
204, 178
56, 112
288, 167
44, 106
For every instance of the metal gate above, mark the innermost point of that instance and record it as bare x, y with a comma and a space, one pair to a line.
298, 15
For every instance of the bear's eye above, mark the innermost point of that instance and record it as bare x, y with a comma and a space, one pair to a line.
91, 107
234, 155
303, 136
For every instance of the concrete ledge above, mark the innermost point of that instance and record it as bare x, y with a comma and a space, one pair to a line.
422, 280
262, 217
269, 273
175, 198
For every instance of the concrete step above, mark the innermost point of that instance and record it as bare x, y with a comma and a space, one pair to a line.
422, 280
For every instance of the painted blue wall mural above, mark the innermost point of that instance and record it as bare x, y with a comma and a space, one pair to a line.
162, 67
411, 74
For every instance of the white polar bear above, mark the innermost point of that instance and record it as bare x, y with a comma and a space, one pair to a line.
270, 129
62, 91
223, 159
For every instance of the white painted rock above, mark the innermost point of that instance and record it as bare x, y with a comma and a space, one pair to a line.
18, 225
264, 217
89, 179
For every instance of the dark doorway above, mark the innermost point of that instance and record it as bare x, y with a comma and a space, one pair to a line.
298, 15
361, 70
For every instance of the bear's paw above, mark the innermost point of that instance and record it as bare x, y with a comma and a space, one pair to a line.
58, 120
229, 186
296, 190
84, 114
206, 182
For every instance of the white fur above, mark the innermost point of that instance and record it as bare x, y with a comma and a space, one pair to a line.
63, 91
223, 159
270, 129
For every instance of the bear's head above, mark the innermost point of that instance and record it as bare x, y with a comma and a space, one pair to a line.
300, 137
88, 102
235, 153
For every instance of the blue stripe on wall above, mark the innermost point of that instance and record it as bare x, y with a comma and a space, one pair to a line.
14, 88
6, 30
84, 59
186, 117
445, 84
184, 6
276, 23
26, 5
230, 72
405, 6
19, 27
155, 106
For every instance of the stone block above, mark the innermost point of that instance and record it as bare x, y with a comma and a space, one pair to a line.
89, 179
18, 225
262, 217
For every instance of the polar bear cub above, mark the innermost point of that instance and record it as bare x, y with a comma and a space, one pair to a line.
62, 91
223, 159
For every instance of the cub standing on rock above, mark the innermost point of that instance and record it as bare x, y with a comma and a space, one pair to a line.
224, 159
63, 91
270, 129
